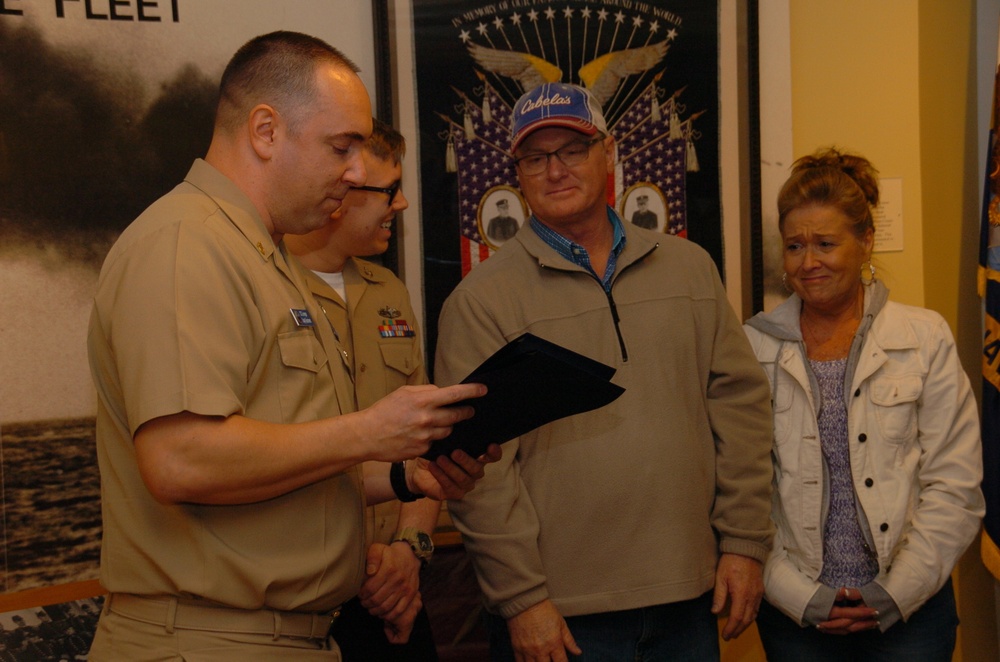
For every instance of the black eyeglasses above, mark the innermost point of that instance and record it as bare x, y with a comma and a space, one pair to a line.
391, 191
571, 155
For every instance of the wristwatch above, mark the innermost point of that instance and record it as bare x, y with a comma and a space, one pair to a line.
419, 542
397, 479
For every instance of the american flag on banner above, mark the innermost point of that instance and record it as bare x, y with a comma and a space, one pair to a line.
483, 163
654, 153
655, 150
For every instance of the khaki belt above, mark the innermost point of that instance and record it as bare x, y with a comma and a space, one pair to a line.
183, 615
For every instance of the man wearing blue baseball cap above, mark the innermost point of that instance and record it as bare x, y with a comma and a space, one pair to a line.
624, 532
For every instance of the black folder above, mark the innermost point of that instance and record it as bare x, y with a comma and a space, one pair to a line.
531, 382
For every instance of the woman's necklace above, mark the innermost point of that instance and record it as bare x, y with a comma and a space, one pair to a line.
828, 342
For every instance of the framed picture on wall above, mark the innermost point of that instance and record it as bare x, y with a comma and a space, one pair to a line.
655, 69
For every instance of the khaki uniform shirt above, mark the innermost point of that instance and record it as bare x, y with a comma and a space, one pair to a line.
195, 312
386, 342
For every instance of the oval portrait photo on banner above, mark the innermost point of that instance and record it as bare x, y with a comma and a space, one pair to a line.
501, 212
645, 206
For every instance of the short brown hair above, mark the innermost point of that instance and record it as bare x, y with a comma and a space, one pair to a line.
277, 68
386, 142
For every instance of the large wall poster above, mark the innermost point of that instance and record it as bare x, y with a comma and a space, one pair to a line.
653, 66
105, 105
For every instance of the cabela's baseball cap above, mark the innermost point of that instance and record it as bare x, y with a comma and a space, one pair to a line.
556, 104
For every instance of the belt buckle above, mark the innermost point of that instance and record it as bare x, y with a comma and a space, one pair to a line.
334, 615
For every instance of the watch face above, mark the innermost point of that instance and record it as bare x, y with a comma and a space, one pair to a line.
420, 542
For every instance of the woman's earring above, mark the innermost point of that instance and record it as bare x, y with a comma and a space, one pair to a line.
871, 271
784, 282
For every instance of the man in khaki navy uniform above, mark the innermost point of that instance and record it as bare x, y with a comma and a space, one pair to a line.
227, 436
371, 310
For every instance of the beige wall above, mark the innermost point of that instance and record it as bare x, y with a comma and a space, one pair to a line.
896, 81
855, 84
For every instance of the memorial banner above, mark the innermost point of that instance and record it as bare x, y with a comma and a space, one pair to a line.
654, 68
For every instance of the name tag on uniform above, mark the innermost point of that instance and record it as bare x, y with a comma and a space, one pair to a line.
302, 317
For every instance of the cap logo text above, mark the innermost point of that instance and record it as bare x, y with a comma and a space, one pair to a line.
540, 102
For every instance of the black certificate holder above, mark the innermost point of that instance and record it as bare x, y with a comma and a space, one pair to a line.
531, 381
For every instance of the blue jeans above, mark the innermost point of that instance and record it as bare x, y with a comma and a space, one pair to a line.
683, 631
929, 636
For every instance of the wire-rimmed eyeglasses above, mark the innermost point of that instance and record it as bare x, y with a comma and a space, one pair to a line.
570, 155
390, 191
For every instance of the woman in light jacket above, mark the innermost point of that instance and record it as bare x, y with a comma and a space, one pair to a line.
877, 461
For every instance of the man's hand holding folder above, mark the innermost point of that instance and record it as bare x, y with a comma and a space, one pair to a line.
530, 382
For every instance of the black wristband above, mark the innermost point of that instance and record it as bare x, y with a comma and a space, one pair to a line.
397, 478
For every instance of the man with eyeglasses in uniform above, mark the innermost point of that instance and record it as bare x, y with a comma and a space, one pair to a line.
371, 310
625, 532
